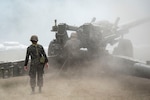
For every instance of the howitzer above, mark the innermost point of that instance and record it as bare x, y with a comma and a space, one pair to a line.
94, 37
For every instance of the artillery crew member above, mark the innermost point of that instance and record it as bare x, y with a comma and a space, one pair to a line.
38, 61
72, 47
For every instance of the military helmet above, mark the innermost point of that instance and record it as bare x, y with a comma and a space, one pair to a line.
34, 38
74, 35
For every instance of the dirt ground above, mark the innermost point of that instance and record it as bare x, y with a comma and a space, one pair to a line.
85, 84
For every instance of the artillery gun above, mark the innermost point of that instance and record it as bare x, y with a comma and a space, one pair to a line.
94, 37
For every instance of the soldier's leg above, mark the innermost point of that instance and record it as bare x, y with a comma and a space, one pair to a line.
32, 75
40, 77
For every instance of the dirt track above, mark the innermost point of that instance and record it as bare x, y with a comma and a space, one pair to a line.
78, 86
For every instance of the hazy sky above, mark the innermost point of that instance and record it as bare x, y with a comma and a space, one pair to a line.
19, 19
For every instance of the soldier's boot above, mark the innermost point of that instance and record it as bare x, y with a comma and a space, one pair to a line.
33, 90
40, 89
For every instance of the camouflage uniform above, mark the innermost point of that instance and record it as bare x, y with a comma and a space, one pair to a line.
35, 51
72, 47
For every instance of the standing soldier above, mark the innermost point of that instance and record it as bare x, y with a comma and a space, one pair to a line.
38, 61
72, 47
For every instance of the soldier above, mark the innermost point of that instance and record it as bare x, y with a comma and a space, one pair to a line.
72, 47
38, 61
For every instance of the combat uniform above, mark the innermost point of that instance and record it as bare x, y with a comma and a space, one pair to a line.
72, 47
36, 51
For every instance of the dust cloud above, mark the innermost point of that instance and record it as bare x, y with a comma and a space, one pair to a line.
91, 81
87, 82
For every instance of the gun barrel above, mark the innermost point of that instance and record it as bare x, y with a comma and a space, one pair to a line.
135, 23
72, 28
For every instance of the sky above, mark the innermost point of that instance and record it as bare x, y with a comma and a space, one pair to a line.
19, 19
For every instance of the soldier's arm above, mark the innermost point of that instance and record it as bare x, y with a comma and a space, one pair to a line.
27, 57
44, 54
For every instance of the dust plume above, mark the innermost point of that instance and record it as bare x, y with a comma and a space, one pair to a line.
88, 82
